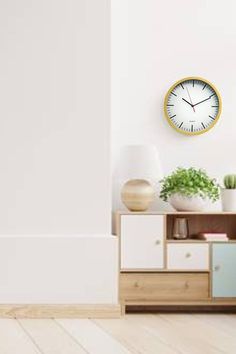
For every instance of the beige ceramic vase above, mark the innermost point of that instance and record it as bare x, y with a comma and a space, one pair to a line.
137, 194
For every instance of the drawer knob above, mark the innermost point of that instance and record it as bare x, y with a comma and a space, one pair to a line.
216, 268
188, 255
136, 284
158, 242
186, 285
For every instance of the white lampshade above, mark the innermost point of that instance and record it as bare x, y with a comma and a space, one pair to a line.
141, 162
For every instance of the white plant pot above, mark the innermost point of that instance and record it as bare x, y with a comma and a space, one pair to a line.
184, 203
228, 198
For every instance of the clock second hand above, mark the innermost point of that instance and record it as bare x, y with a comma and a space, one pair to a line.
190, 98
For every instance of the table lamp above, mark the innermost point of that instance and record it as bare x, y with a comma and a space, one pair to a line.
139, 163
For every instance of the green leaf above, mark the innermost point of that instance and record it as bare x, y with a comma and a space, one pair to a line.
189, 182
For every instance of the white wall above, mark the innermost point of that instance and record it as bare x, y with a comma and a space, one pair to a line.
54, 117
58, 270
154, 44
55, 243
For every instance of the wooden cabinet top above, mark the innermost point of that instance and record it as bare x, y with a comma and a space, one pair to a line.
126, 212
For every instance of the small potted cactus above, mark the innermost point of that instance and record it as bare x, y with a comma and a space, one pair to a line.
228, 194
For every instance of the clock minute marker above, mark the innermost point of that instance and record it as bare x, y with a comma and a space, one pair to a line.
182, 86
170, 105
211, 117
214, 106
204, 86
181, 125
172, 93
193, 83
191, 128
173, 116
203, 125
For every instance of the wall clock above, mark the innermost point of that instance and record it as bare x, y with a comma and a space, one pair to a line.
192, 106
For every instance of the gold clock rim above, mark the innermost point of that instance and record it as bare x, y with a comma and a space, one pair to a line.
181, 81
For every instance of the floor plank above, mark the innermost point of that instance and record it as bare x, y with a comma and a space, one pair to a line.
174, 337
92, 337
222, 322
198, 329
230, 319
50, 337
14, 340
134, 334
136, 339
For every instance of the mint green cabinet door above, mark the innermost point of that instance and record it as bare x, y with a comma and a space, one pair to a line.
224, 270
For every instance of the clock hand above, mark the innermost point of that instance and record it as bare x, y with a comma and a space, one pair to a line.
202, 101
187, 101
190, 98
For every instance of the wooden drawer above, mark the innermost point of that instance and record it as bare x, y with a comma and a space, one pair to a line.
163, 286
188, 256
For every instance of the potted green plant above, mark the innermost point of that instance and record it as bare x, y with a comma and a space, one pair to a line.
189, 189
228, 194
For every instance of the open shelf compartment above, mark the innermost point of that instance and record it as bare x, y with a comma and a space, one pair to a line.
197, 223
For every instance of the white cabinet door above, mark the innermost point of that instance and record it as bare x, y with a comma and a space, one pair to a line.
188, 256
142, 239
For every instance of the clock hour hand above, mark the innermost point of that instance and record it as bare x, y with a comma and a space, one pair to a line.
202, 101
187, 102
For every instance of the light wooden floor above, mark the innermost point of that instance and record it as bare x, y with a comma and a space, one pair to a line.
141, 334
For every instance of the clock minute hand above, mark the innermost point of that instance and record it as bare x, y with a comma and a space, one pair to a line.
201, 101
187, 102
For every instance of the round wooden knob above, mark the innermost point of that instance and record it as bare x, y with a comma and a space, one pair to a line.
188, 255
158, 242
186, 285
217, 267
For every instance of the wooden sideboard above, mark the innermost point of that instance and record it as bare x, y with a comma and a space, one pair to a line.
157, 270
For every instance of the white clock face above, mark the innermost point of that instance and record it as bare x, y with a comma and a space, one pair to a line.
192, 106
